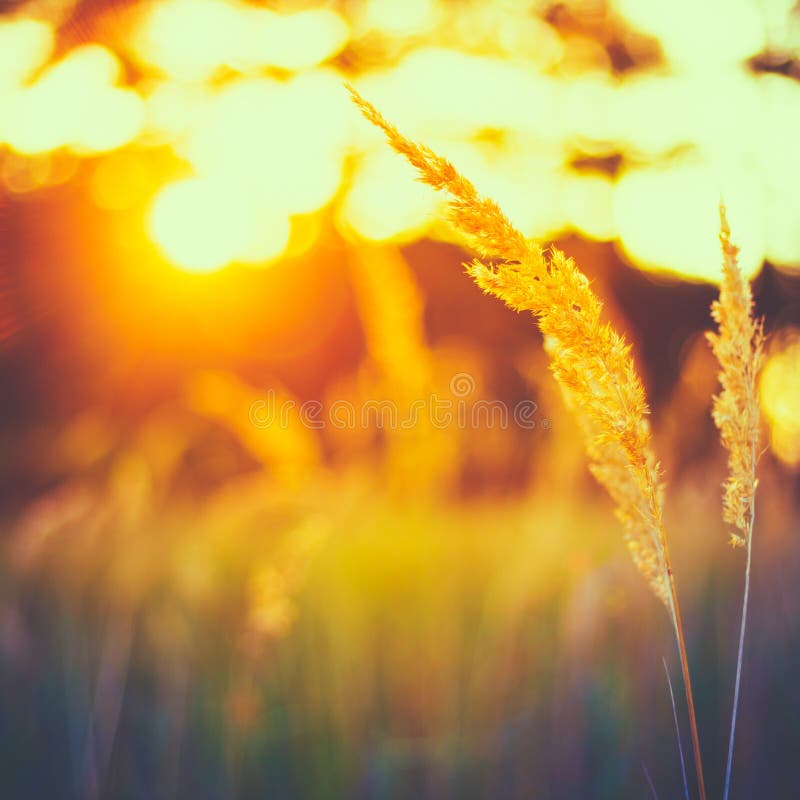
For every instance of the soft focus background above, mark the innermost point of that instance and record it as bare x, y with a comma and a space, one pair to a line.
205, 253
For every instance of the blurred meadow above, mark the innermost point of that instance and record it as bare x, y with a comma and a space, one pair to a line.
288, 509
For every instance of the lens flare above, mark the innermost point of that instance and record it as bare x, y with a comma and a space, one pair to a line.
198, 224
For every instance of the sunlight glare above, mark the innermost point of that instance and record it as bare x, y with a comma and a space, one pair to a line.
198, 224
202, 224
266, 136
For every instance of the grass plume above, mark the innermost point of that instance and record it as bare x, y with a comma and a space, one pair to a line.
591, 363
739, 348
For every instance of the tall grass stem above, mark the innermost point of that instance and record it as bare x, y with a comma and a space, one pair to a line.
649, 782
677, 729
687, 683
742, 629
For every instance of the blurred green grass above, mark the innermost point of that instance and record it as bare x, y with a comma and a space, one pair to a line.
430, 648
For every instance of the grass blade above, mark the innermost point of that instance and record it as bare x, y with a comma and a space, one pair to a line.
649, 782
742, 628
677, 730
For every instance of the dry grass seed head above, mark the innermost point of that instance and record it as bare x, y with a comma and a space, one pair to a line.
739, 348
590, 361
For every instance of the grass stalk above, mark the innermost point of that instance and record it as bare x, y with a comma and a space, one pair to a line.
591, 363
650, 785
687, 682
739, 348
742, 629
677, 729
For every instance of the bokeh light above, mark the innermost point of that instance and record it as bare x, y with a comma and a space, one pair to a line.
25, 44
253, 97
203, 224
74, 103
192, 40
780, 393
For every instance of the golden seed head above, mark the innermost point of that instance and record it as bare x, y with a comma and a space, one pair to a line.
589, 360
739, 348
